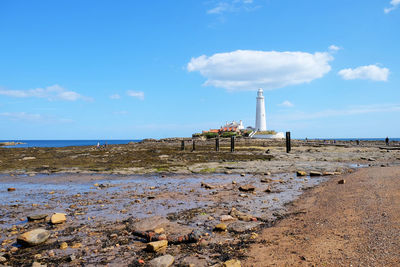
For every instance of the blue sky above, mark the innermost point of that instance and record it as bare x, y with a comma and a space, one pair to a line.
139, 69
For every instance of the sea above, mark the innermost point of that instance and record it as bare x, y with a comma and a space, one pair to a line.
64, 143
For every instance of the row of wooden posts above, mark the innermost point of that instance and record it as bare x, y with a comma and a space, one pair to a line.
288, 144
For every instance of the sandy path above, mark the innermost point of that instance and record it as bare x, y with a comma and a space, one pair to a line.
355, 224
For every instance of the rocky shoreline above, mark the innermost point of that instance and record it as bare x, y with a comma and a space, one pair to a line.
201, 208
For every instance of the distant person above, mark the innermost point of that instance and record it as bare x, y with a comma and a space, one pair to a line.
98, 144
387, 140
358, 142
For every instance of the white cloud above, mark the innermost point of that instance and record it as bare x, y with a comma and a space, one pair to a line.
370, 72
394, 4
221, 7
115, 96
32, 117
54, 92
334, 48
287, 104
137, 94
250, 70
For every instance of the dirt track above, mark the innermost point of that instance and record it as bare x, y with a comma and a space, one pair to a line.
351, 224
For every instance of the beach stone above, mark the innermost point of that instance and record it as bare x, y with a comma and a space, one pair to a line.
157, 245
242, 174
57, 218
207, 186
220, 227
342, 181
28, 158
159, 230
37, 217
10, 189
163, 261
2, 259
232, 263
149, 224
241, 227
266, 180
328, 173
301, 173
34, 237
38, 264
315, 173
226, 218
63, 245
240, 215
247, 188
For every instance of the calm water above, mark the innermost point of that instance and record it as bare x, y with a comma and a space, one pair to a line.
63, 143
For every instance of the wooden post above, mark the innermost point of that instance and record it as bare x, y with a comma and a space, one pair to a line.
217, 144
232, 144
194, 145
183, 145
288, 145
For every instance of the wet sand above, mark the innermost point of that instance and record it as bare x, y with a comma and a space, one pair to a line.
185, 193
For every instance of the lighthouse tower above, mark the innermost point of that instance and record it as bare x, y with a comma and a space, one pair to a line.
261, 123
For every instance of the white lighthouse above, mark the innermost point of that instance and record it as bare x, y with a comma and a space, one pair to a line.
261, 122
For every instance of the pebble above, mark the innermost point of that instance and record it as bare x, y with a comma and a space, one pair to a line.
38, 264
342, 181
10, 189
57, 218
247, 188
163, 261
226, 218
34, 237
315, 173
63, 245
232, 263
220, 227
2, 259
37, 217
157, 245
301, 173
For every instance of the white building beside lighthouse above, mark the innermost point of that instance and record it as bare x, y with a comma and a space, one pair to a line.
261, 121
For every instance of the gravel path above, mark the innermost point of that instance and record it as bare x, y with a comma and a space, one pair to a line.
351, 224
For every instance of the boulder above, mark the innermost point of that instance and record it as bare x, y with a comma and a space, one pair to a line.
34, 237
163, 261
57, 218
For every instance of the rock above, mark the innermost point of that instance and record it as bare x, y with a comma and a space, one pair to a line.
34, 237
233, 182
225, 218
63, 245
10, 189
150, 223
342, 181
243, 174
207, 186
38, 264
157, 245
247, 188
315, 173
228, 172
28, 158
266, 180
220, 227
371, 159
2, 259
57, 218
240, 215
301, 173
241, 227
163, 261
328, 173
159, 230
37, 217
232, 263
76, 245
